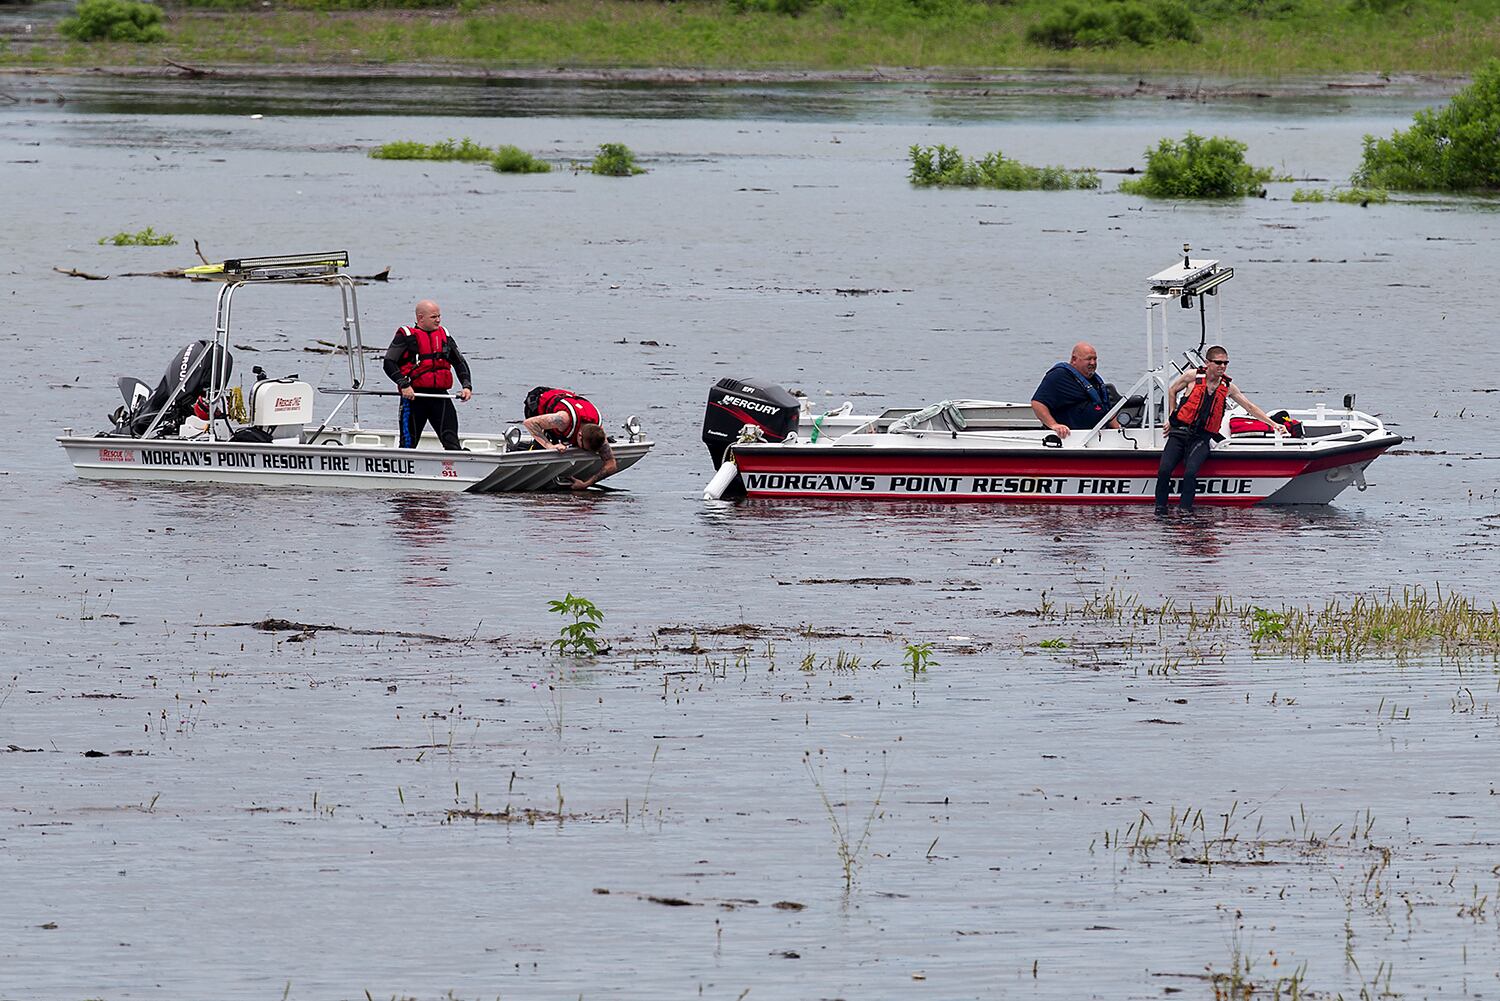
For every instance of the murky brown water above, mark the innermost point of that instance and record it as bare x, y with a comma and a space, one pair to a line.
283, 814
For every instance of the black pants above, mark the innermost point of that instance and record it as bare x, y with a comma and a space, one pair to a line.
1189, 448
424, 410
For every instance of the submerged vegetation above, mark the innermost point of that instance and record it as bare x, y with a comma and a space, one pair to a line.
615, 160
1454, 148
1348, 196
147, 237
1196, 167
514, 160
505, 158
944, 166
1403, 625
465, 150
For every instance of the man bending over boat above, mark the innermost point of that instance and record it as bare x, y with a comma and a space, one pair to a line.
558, 418
1072, 395
422, 360
1195, 425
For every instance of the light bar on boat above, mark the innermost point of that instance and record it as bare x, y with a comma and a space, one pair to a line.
1189, 278
287, 265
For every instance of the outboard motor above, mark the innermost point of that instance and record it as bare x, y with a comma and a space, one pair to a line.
733, 403
185, 380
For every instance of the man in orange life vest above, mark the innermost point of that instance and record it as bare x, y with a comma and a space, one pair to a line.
1195, 425
557, 418
422, 361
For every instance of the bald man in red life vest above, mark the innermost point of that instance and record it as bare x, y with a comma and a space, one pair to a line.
422, 361
1195, 425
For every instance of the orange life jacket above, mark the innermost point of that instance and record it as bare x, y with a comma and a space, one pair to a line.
1199, 410
430, 369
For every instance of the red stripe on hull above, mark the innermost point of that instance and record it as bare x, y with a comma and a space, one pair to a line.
1004, 465
1204, 500
1032, 463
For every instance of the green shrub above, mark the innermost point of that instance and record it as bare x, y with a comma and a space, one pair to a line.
1105, 25
1455, 148
615, 160
1198, 168
448, 149
514, 160
944, 166
147, 237
114, 21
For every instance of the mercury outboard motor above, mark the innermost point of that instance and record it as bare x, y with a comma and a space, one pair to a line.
733, 403
185, 380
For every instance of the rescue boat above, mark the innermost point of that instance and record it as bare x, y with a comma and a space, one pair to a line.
764, 443
195, 427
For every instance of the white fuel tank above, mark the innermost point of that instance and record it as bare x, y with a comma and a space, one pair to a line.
275, 403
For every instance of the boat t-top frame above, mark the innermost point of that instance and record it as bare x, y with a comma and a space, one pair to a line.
1189, 283
288, 269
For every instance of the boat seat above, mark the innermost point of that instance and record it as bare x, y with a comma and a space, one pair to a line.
1130, 414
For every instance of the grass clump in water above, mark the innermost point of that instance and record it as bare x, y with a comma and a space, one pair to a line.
1106, 25
1348, 196
1196, 167
1456, 148
514, 160
114, 21
147, 237
944, 166
615, 160
466, 150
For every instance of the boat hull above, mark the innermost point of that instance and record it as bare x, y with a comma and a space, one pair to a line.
1243, 478
336, 466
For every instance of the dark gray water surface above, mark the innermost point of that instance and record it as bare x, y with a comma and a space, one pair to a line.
281, 818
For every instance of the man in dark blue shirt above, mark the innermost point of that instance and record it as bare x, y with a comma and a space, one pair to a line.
1072, 395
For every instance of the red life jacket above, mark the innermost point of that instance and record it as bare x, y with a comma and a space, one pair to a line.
430, 369
578, 410
1200, 411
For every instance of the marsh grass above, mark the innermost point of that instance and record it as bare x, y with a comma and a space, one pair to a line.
1318, 36
1189, 836
850, 838
1403, 625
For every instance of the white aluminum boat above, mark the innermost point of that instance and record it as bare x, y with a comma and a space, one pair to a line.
269, 437
765, 445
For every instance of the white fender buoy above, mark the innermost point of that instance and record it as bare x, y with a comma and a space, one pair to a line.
720, 483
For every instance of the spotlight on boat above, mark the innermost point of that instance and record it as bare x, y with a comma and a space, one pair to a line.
513, 439
633, 428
